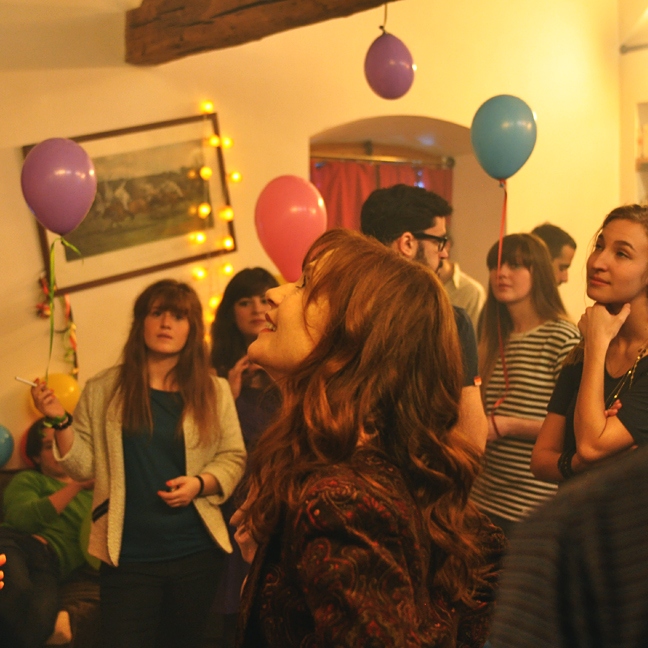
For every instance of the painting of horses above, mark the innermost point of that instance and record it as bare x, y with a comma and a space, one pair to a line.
144, 196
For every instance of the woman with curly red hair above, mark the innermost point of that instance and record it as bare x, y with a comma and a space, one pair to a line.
360, 504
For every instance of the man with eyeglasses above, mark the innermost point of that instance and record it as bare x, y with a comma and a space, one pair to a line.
412, 221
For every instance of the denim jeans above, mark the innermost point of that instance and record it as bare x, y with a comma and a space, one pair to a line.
29, 601
159, 604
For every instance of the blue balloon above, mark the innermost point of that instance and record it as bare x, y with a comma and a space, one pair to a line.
503, 134
6, 445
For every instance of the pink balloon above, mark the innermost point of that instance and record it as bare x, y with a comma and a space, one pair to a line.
389, 68
59, 184
289, 216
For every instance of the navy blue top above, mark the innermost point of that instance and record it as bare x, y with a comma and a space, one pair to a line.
152, 529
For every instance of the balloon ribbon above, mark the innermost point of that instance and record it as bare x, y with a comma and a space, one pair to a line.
51, 290
499, 325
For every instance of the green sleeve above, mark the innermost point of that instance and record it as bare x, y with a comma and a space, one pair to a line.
26, 505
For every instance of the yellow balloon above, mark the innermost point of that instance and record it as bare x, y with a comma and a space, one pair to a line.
66, 389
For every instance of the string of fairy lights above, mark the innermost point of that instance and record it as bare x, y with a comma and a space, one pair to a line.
215, 273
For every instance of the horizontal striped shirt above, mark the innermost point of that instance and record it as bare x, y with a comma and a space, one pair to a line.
534, 358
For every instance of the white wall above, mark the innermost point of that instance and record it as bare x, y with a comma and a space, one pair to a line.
65, 78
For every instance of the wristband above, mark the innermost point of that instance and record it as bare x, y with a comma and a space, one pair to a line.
565, 464
58, 422
202, 485
497, 432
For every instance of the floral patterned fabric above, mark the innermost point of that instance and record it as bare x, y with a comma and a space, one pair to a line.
348, 569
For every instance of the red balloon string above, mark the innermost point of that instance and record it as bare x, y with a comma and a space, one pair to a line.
499, 326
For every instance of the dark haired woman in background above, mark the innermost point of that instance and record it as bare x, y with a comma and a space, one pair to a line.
239, 318
161, 438
524, 307
598, 409
360, 487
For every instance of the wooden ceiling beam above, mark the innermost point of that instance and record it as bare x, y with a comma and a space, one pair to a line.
160, 31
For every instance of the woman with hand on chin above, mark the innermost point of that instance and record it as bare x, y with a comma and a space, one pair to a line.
598, 410
240, 317
161, 438
359, 489
524, 307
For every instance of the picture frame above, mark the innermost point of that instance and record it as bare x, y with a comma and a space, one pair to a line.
145, 217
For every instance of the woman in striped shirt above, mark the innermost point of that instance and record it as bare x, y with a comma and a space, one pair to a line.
525, 312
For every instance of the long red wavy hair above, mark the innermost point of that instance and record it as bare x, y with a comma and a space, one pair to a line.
387, 370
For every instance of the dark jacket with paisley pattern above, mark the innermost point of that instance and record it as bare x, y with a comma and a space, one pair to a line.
348, 568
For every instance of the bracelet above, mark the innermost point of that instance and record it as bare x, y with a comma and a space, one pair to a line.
497, 432
565, 464
54, 420
202, 485
58, 422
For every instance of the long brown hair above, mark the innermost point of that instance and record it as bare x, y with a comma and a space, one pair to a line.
531, 252
191, 373
386, 371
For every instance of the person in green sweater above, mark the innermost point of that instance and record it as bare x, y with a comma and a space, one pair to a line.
43, 511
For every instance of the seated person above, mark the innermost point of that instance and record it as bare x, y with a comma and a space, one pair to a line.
43, 512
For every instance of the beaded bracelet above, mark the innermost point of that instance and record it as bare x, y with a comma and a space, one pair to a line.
58, 422
565, 464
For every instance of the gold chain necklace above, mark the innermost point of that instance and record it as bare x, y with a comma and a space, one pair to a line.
624, 379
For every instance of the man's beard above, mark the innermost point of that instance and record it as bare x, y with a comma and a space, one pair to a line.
420, 257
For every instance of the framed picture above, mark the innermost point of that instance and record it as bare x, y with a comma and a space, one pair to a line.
161, 192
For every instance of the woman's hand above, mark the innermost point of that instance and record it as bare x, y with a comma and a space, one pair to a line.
243, 537
3, 560
45, 400
182, 490
599, 327
235, 375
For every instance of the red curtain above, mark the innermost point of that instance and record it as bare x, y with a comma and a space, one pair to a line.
345, 185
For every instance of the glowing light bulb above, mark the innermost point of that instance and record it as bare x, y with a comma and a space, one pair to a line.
193, 210
228, 268
191, 174
197, 237
214, 301
199, 273
214, 140
226, 142
209, 318
226, 213
235, 176
228, 242
205, 173
204, 210
206, 107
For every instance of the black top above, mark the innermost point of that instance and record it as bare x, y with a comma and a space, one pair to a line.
634, 401
152, 529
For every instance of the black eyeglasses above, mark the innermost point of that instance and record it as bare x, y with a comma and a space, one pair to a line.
439, 240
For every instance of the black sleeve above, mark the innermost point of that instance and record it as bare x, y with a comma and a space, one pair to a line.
468, 346
634, 410
566, 389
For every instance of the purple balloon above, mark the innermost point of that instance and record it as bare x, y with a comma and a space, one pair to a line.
59, 184
389, 68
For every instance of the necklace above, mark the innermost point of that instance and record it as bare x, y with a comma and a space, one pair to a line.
627, 375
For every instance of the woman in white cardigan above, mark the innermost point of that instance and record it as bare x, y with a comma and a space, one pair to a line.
161, 438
